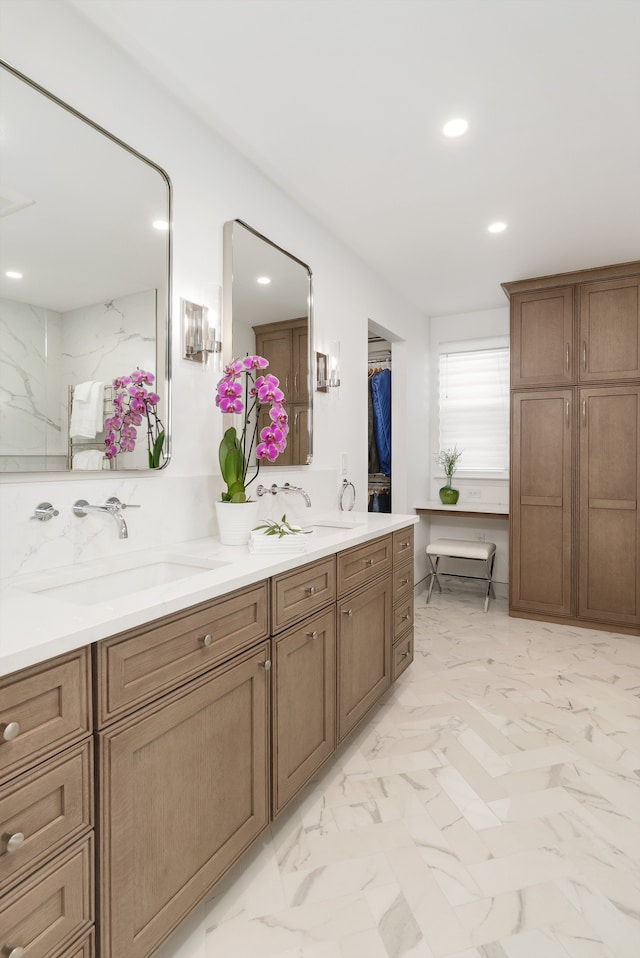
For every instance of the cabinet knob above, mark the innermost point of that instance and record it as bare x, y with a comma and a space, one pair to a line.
14, 842
10, 731
347, 612
403, 581
312, 635
9, 952
266, 665
207, 639
405, 655
368, 561
405, 545
407, 616
311, 590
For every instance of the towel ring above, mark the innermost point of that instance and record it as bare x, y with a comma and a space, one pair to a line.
346, 485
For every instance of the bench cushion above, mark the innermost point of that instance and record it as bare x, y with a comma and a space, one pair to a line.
461, 548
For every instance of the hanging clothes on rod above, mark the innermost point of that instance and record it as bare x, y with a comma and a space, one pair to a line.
380, 384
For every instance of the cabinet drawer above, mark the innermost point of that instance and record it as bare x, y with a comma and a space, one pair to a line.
361, 564
403, 544
135, 667
45, 708
402, 617
403, 581
49, 807
46, 913
298, 594
402, 656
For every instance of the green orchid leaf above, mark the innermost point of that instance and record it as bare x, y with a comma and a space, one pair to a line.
155, 456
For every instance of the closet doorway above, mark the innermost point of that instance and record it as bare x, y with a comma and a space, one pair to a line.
379, 384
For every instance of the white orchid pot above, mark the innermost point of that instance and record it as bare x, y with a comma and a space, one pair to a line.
235, 521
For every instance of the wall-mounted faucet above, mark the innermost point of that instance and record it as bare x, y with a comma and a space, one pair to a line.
275, 488
113, 507
44, 511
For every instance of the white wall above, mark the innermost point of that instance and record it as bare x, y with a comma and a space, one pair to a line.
212, 183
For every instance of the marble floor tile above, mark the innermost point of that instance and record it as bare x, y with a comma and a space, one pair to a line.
488, 807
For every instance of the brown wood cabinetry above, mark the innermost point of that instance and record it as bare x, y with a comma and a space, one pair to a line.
184, 790
208, 723
575, 447
304, 703
46, 808
286, 346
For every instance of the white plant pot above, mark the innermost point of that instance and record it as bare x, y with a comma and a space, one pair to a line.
235, 521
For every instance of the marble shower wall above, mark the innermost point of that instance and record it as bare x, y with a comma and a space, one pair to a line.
43, 351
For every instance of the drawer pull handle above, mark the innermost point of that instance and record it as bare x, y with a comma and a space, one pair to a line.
266, 665
368, 561
405, 617
311, 590
10, 731
312, 635
405, 545
207, 639
405, 655
403, 581
14, 842
13, 952
347, 612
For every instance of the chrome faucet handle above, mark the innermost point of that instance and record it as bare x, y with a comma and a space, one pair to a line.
44, 511
114, 503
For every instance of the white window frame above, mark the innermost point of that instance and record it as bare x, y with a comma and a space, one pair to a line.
464, 346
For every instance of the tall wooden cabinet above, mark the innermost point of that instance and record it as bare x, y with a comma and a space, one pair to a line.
286, 346
575, 447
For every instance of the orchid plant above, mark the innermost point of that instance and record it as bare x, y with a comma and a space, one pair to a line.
236, 453
135, 404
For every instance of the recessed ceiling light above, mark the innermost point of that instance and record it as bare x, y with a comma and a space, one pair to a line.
497, 227
160, 225
13, 274
455, 127
263, 280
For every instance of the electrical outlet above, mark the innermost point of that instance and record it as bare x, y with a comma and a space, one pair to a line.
473, 493
481, 537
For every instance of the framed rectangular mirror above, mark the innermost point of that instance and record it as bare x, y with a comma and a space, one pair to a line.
85, 290
268, 311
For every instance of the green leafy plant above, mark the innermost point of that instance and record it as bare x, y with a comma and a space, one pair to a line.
448, 459
282, 528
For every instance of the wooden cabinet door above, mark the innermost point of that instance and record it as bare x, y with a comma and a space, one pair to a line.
304, 704
609, 515
541, 573
364, 651
298, 433
183, 791
609, 339
542, 350
275, 345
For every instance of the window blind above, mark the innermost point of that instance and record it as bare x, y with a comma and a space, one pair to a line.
474, 406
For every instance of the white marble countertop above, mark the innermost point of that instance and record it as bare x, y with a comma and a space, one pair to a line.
35, 626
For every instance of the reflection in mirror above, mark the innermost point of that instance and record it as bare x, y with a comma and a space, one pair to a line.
84, 287
268, 312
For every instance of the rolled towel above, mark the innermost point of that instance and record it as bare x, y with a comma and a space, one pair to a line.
88, 459
87, 410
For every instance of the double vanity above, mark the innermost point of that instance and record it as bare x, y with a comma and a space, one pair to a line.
158, 711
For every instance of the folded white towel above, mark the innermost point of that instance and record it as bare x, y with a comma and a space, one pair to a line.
87, 410
88, 459
262, 544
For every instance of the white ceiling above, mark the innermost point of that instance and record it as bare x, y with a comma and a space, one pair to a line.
341, 102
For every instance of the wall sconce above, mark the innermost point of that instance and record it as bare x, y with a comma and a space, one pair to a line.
198, 332
328, 368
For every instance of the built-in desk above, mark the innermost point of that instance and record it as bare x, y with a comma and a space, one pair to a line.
485, 510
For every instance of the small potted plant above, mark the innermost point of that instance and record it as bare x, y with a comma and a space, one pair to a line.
447, 459
240, 453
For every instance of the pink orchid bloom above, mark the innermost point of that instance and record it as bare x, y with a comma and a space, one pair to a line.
255, 362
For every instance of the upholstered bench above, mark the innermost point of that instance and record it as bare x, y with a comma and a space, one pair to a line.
462, 549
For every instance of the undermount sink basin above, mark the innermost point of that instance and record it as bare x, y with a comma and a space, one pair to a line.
329, 527
87, 588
